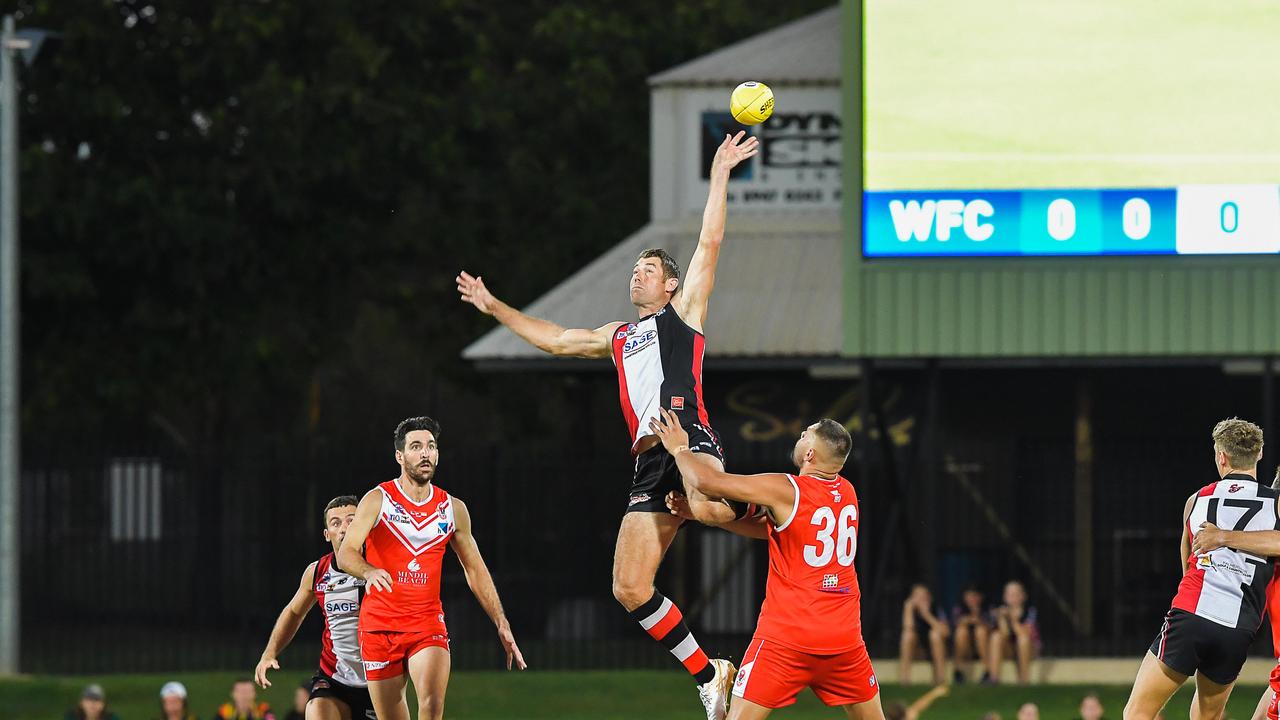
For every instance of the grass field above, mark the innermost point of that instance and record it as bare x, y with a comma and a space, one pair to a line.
560, 695
1091, 93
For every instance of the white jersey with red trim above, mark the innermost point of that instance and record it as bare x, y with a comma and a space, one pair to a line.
1227, 586
339, 595
659, 363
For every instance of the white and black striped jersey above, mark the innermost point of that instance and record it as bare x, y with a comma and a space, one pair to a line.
1227, 586
659, 362
339, 596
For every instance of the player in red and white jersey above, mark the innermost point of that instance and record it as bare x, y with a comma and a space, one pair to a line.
404, 526
1261, 543
810, 629
1220, 600
338, 690
658, 359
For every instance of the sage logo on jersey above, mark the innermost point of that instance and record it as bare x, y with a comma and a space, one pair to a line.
413, 566
639, 342
341, 606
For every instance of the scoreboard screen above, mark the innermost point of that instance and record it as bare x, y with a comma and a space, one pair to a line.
1083, 128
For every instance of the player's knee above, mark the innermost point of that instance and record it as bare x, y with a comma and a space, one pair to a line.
631, 594
430, 707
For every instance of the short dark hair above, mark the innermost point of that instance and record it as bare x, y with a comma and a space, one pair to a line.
340, 501
670, 268
408, 425
835, 436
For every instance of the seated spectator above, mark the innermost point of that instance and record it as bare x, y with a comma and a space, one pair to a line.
971, 623
920, 624
244, 703
1016, 635
896, 710
173, 702
1091, 707
301, 695
991, 715
1029, 711
92, 706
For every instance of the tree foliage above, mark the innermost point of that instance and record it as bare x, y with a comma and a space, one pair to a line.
238, 213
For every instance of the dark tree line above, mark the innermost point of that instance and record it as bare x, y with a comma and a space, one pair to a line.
241, 220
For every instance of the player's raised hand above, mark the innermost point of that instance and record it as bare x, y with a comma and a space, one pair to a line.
508, 640
667, 427
260, 672
734, 150
377, 579
1208, 538
473, 291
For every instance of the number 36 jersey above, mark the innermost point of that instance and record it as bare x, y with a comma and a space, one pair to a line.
1227, 586
812, 602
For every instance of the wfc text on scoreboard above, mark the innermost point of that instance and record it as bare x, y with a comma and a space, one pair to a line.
1187, 220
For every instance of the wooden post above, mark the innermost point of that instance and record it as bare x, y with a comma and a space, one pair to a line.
1084, 505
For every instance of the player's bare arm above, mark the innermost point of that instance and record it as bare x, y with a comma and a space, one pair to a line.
1186, 534
286, 626
701, 277
752, 526
350, 558
481, 582
1264, 543
542, 334
770, 490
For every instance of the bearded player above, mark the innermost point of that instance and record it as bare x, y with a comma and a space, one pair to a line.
339, 690
810, 628
659, 363
404, 526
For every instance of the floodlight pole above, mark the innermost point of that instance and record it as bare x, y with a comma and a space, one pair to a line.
9, 422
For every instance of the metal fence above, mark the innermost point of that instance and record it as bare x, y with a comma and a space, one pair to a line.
145, 559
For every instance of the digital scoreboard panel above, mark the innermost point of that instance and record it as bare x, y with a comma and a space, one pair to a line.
1086, 128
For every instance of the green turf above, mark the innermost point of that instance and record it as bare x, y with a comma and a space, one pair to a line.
1042, 93
560, 695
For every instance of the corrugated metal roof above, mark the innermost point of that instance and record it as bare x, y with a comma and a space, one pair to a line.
803, 51
778, 289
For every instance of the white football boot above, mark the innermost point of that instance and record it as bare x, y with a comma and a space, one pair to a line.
715, 694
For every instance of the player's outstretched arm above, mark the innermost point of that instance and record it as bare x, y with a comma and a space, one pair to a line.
770, 490
542, 334
1263, 543
286, 626
350, 557
701, 277
481, 582
752, 526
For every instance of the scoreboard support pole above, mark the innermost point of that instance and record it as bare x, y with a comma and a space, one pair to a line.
1268, 415
9, 338
1084, 506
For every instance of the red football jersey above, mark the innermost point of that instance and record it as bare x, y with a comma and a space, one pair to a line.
408, 541
812, 602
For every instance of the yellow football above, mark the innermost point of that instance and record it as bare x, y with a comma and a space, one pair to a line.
751, 103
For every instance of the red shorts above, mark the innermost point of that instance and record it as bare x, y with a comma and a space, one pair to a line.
773, 674
385, 652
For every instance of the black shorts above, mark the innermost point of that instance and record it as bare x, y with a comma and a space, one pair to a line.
1188, 643
656, 472
356, 698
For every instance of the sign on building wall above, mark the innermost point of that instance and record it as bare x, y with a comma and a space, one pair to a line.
798, 166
